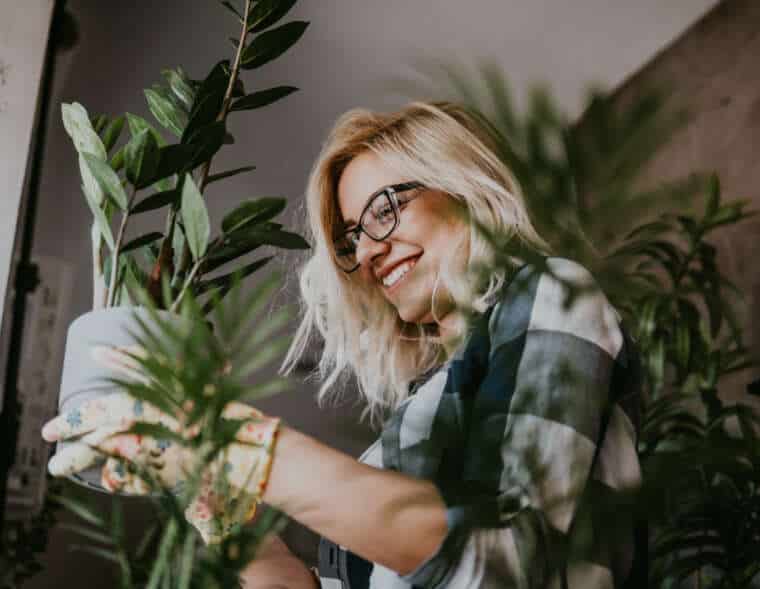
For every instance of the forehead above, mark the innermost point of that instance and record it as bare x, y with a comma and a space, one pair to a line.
363, 176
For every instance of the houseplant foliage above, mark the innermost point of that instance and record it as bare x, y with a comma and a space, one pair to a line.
128, 168
193, 371
648, 250
147, 174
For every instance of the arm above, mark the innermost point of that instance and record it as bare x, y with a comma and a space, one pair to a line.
384, 516
275, 567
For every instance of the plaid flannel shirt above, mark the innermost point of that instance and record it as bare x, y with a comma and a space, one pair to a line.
525, 430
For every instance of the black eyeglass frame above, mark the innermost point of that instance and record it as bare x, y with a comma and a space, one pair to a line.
390, 193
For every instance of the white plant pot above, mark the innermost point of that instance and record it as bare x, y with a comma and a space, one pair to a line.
85, 379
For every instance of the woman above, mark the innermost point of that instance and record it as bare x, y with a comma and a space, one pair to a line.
500, 429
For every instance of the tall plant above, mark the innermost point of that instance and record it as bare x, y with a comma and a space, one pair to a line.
186, 270
648, 249
148, 174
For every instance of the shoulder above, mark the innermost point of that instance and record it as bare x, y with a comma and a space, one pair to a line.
540, 298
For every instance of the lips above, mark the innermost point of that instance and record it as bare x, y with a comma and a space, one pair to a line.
395, 285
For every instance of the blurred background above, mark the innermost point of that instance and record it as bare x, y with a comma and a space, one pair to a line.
353, 54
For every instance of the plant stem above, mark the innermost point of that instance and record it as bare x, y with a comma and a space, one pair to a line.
117, 248
234, 74
186, 285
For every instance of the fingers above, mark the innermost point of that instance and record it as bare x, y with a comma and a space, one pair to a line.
116, 477
119, 409
116, 408
80, 455
235, 410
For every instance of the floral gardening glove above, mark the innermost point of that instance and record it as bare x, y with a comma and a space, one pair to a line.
96, 428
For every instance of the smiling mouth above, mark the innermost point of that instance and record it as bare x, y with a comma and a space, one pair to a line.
399, 273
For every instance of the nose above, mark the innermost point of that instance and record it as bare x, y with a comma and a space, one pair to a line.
368, 249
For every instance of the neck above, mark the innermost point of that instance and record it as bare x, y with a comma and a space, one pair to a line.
450, 331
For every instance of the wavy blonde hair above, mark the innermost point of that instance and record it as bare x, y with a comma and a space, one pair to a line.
446, 148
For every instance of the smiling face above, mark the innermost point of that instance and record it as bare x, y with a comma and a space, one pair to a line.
405, 265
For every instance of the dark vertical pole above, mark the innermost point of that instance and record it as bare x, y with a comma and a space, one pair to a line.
24, 276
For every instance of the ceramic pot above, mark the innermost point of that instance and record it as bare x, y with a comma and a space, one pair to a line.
83, 378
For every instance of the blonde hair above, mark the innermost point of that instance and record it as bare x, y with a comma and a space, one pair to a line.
443, 146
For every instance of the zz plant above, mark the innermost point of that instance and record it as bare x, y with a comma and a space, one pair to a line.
146, 173
188, 271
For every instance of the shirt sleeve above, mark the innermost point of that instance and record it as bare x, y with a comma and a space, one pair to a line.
536, 419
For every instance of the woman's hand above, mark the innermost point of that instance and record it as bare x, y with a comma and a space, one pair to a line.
97, 427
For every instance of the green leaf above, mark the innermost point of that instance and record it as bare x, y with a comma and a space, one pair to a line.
117, 160
142, 158
208, 100
101, 552
261, 356
108, 180
157, 431
88, 533
78, 126
99, 122
174, 159
165, 112
267, 12
80, 509
238, 90
100, 218
283, 239
233, 10
141, 241
253, 211
227, 253
92, 188
113, 132
262, 98
228, 279
207, 141
195, 218
271, 44
729, 214
180, 86
162, 561
649, 229
178, 243
228, 173
713, 196
156, 201
138, 124
186, 562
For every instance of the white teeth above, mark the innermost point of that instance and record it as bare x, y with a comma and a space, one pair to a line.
397, 273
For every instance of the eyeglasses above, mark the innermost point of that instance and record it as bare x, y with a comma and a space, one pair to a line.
378, 220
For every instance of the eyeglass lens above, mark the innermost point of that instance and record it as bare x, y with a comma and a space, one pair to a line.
378, 220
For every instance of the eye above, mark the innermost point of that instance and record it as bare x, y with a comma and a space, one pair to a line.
383, 213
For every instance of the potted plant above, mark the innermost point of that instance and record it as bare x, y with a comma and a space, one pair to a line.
144, 174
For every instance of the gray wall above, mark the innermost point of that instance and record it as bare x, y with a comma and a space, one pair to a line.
347, 58
713, 72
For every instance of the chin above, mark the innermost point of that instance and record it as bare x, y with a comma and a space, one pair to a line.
415, 315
